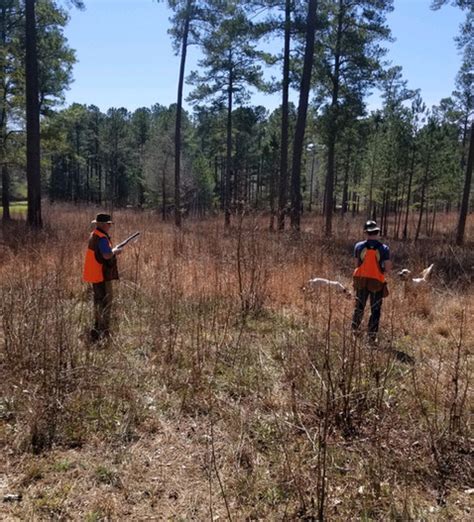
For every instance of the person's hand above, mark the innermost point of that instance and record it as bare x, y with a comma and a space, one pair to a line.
116, 251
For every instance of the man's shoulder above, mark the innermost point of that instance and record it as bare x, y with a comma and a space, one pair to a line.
376, 243
360, 244
384, 250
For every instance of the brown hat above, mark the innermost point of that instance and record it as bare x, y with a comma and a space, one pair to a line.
103, 218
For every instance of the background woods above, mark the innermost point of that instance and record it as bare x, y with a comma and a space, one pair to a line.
404, 162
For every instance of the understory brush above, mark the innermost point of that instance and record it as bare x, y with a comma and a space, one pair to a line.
225, 390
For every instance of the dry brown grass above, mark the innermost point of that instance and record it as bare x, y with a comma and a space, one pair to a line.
226, 391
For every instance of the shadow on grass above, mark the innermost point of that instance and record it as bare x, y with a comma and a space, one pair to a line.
401, 356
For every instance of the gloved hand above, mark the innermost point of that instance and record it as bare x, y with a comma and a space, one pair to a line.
116, 251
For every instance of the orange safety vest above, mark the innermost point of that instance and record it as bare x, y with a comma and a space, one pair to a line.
369, 269
96, 268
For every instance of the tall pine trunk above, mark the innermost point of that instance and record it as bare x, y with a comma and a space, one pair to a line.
301, 118
5, 193
3, 123
410, 181
345, 187
33, 170
424, 187
467, 189
179, 108
271, 199
163, 190
228, 166
283, 181
333, 130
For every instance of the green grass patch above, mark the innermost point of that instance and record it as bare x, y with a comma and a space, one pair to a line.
19, 208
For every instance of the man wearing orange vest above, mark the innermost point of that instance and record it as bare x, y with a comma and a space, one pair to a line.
100, 269
372, 262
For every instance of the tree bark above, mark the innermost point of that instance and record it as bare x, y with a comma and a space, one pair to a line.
423, 191
163, 190
5, 193
33, 168
332, 134
410, 181
228, 167
179, 108
3, 125
283, 181
301, 118
467, 189
345, 188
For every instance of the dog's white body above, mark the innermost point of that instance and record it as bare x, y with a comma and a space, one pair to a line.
423, 279
321, 282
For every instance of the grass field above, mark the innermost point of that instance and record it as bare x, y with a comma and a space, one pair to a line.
18, 209
227, 392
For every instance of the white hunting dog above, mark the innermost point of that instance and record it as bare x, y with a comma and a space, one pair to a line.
319, 282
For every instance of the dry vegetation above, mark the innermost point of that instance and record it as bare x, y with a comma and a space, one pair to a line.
227, 393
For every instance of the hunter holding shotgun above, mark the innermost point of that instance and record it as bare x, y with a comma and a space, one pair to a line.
100, 269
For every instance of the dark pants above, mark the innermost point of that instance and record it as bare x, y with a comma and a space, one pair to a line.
375, 309
102, 308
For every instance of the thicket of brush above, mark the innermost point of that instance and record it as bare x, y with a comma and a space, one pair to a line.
227, 391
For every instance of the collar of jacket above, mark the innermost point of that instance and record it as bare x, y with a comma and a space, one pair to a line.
98, 229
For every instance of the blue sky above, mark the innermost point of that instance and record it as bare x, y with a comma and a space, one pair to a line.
125, 58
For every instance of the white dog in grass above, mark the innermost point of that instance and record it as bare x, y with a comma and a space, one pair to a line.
422, 280
319, 282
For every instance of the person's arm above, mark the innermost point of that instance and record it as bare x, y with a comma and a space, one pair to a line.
105, 250
387, 264
356, 255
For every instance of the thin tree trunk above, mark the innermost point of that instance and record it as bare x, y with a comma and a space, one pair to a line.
228, 167
410, 181
423, 192
88, 177
177, 133
467, 189
399, 212
33, 169
311, 182
355, 199
333, 124
382, 213
271, 198
283, 181
259, 195
3, 124
464, 139
99, 182
5, 193
323, 212
433, 220
427, 216
395, 207
163, 190
372, 174
386, 214
345, 188
301, 118
223, 171
217, 181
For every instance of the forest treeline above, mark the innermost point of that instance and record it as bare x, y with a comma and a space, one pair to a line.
327, 153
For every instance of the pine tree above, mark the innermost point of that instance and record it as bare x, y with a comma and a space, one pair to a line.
230, 65
348, 59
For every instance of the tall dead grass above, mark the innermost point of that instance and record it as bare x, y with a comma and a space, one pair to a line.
226, 391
